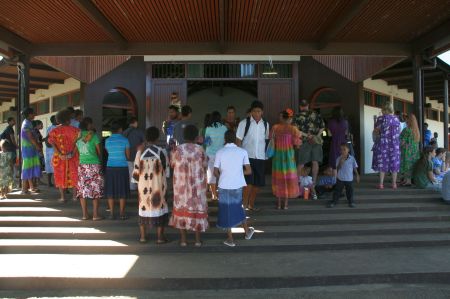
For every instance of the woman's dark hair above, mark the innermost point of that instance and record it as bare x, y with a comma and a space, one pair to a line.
440, 150
116, 126
36, 123
424, 157
257, 104
186, 110
190, 133
53, 120
338, 113
85, 122
207, 120
152, 134
216, 119
27, 112
284, 115
174, 108
230, 136
63, 116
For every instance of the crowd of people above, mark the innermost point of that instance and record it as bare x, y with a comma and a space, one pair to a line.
224, 161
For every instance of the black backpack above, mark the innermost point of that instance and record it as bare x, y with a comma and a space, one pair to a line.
247, 127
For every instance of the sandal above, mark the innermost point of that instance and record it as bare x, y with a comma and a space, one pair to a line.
36, 190
183, 244
198, 244
86, 218
381, 186
142, 241
62, 200
25, 192
394, 186
124, 217
97, 218
164, 241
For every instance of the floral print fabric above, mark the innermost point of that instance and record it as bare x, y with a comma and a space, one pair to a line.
190, 209
309, 122
409, 152
386, 149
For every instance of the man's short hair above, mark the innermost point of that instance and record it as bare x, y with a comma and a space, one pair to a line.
174, 108
133, 119
303, 103
78, 112
152, 134
190, 133
186, 110
257, 104
230, 136
10, 119
231, 108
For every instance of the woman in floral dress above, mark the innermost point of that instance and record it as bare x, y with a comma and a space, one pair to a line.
65, 158
190, 209
409, 147
284, 168
386, 149
150, 168
6, 165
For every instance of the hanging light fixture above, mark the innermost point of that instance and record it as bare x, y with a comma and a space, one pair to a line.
271, 70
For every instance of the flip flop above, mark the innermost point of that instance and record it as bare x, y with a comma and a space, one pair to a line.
98, 218
198, 244
86, 218
159, 242
142, 241
183, 244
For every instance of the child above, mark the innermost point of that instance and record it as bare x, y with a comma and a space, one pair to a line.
6, 166
228, 168
439, 162
346, 166
423, 171
305, 180
326, 182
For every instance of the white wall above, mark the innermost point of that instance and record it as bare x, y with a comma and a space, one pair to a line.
369, 112
69, 85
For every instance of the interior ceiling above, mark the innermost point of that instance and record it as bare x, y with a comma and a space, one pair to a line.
41, 76
401, 75
223, 26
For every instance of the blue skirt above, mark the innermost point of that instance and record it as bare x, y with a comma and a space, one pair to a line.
231, 211
117, 183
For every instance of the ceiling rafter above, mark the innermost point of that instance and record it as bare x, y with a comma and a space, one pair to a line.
435, 38
98, 18
223, 4
204, 48
33, 78
32, 85
15, 41
339, 23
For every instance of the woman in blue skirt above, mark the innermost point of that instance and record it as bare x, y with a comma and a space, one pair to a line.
228, 168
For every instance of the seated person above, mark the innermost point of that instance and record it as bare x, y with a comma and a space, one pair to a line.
439, 167
326, 181
445, 191
423, 171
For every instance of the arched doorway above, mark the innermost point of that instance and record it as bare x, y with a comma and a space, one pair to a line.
324, 100
119, 104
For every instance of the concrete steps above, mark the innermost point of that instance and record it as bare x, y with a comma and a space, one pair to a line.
393, 236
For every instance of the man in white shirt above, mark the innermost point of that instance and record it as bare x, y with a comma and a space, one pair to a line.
252, 134
229, 169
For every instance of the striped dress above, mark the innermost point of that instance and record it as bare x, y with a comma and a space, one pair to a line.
31, 166
284, 167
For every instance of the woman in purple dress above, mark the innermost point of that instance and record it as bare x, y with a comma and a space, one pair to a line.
338, 127
386, 148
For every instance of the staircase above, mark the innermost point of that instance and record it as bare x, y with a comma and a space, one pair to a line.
392, 237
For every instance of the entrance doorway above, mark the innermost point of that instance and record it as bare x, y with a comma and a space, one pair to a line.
119, 104
206, 96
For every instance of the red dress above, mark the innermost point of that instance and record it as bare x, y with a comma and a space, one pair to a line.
64, 140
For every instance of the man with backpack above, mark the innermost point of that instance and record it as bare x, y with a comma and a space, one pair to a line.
252, 135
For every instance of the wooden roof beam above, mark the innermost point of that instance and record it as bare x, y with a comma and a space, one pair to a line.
232, 48
7, 95
32, 85
32, 78
89, 8
437, 37
339, 23
42, 67
15, 41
